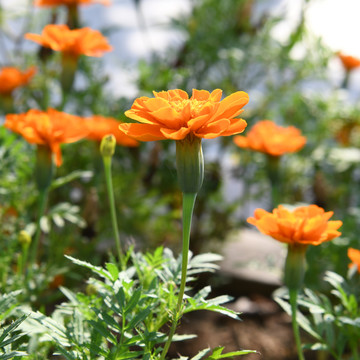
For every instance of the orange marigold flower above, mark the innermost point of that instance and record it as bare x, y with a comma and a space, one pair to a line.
50, 128
11, 78
85, 41
99, 126
349, 62
69, 2
306, 225
269, 138
173, 115
354, 256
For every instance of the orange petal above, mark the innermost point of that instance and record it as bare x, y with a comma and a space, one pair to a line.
142, 132
241, 141
231, 105
175, 134
213, 129
237, 126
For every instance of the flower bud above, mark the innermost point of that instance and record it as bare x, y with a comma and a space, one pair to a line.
107, 146
190, 164
24, 238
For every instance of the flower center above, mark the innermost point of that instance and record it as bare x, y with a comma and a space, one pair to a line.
195, 106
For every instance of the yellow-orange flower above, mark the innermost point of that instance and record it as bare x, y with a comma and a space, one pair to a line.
69, 2
50, 128
306, 225
354, 256
11, 78
349, 62
269, 138
85, 41
99, 126
173, 115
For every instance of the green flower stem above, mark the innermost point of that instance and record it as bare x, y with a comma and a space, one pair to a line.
43, 197
73, 17
293, 302
24, 257
294, 279
69, 64
188, 208
354, 348
110, 189
275, 179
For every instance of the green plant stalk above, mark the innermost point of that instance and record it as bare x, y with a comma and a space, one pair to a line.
24, 258
293, 303
272, 168
354, 348
188, 208
110, 189
43, 197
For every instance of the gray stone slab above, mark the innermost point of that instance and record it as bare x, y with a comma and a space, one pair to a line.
252, 256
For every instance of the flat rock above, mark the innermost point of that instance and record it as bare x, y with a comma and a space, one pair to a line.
253, 259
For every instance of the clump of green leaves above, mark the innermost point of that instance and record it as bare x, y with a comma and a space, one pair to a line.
10, 335
332, 320
124, 311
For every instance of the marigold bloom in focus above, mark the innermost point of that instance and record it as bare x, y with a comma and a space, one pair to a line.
99, 126
69, 2
306, 225
50, 128
269, 138
354, 256
349, 62
85, 41
11, 78
173, 115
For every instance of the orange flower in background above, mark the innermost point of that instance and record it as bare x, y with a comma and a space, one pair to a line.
69, 2
306, 225
11, 78
99, 126
349, 62
76, 42
51, 128
354, 256
173, 115
269, 138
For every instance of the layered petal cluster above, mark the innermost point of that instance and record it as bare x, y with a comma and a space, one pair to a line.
99, 126
354, 256
269, 138
69, 2
173, 115
306, 225
50, 128
349, 62
85, 41
11, 78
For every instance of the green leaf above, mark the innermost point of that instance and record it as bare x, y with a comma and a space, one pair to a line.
129, 355
96, 269
70, 177
109, 320
103, 331
12, 355
113, 270
201, 354
217, 353
142, 315
9, 329
133, 300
